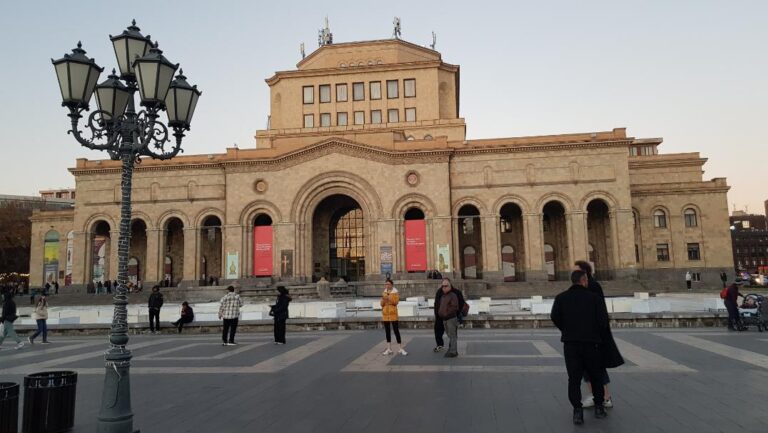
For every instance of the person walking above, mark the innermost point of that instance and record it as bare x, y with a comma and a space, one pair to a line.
580, 314
7, 318
187, 316
439, 326
229, 311
448, 312
688, 279
155, 303
724, 278
732, 305
389, 300
40, 314
55, 287
611, 356
279, 311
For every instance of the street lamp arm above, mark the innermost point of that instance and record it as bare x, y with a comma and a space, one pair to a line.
154, 136
103, 137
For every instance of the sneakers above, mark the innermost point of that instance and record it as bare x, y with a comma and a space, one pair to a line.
437, 349
231, 343
387, 352
590, 402
19, 346
402, 352
46, 342
31, 341
224, 343
608, 403
600, 412
578, 416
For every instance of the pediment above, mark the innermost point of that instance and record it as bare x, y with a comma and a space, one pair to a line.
354, 54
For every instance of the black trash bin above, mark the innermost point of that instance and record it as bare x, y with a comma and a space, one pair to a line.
9, 407
49, 402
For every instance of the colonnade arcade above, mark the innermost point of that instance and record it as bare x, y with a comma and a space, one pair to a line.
341, 234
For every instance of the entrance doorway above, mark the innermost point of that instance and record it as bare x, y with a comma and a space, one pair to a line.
338, 239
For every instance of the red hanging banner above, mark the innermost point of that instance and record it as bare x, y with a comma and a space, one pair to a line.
262, 251
415, 245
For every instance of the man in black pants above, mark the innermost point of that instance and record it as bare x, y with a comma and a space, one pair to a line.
439, 326
155, 303
579, 315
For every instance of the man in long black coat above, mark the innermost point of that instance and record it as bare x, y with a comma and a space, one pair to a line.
581, 316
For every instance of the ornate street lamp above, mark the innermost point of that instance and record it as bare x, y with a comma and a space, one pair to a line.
126, 135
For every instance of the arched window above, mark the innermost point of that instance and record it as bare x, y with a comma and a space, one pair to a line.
690, 218
659, 219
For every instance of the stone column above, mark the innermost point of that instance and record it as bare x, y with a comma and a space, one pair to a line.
534, 247
622, 226
189, 273
81, 258
155, 257
232, 242
491, 249
577, 236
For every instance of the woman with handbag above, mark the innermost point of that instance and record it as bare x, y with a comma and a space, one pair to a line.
389, 300
41, 317
279, 311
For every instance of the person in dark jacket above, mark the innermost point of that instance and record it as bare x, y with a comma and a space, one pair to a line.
439, 327
732, 305
280, 313
608, 346
154, 304
448, 311
187, 316
7, 318
580, 315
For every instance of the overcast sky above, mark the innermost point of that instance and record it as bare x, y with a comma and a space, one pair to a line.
692, 72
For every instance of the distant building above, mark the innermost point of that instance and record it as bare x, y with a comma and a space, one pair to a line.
46, 202
66, 194
749, 235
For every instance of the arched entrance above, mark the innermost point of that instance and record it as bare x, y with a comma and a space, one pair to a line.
470, 242
600, 239
512, 242
415, 234
138, 251
338, 239
100, 243
210, 250
174, 251
556, 239
262, 246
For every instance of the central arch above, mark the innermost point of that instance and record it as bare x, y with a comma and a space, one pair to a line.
338, 239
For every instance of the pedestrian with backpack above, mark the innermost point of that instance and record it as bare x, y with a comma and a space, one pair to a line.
448, 311
439, 326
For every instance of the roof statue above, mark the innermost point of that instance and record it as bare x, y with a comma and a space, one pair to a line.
324, 35
301, 47
434, 41
396, 32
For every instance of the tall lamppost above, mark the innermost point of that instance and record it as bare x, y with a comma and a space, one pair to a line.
126, 136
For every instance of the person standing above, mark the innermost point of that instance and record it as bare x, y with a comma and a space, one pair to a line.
7, 318
389, 300
280, 313
41, 317
448, 312
439, 326
688, 279
229, 311
155, 303
732, 305
187, 316
108, 286
55, 287
724, 278
611, 355
580, 314
99, 287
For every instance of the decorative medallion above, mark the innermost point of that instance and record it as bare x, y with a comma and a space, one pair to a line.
260, 186
412, 178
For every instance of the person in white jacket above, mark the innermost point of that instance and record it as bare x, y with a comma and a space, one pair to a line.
41, 316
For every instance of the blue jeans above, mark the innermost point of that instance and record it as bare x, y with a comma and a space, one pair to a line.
42, 328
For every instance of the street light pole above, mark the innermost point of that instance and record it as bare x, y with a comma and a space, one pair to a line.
116, 127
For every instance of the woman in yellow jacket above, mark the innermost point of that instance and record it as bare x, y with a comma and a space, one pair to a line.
389, 300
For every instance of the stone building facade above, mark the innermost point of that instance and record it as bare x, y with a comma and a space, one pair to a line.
366, 170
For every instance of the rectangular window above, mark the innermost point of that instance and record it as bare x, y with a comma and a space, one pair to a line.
359, 117
325, 119
341, 92
696, 276
309, 94
375, 116
662, 252
693, 252
393, 115
375, 89
341, 119
410, 114
325, 93
392, 89
309, 121
409, 88
358, 91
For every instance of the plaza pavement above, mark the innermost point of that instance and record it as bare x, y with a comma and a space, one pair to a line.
675, 380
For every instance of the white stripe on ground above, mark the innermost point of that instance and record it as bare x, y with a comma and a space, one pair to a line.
742, 355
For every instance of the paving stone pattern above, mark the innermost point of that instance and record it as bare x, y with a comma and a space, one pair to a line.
687, 380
